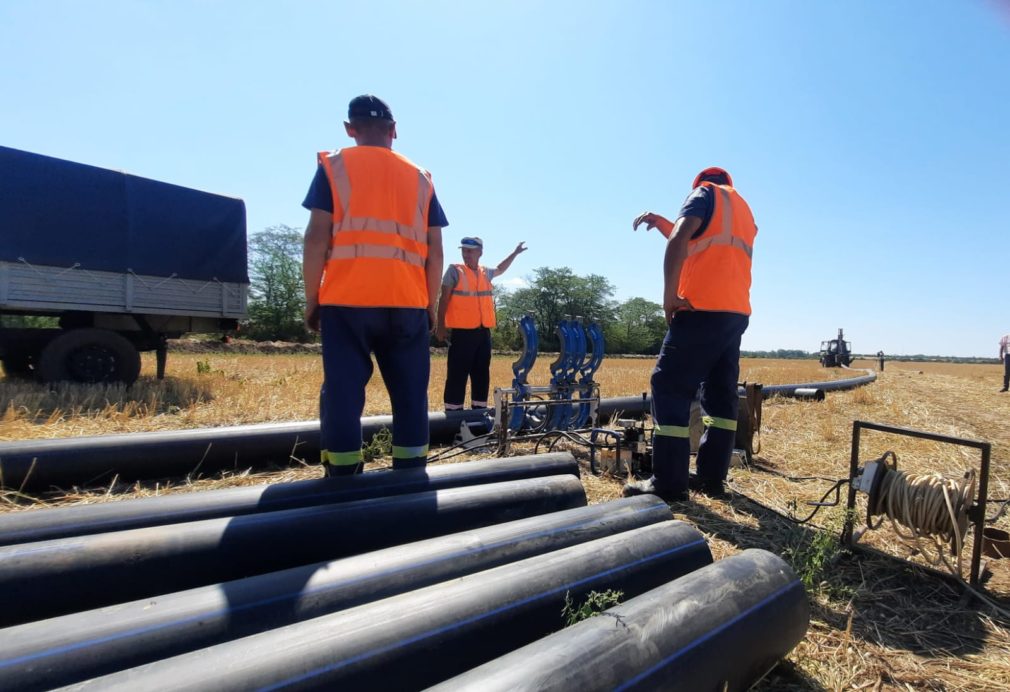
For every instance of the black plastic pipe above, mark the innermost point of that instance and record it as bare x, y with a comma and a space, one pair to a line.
828, 386
59, 651
64, 522
39, 465
811, 393
48, 578
720, 628
424, 636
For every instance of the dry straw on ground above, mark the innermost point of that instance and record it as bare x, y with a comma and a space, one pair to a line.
877, 623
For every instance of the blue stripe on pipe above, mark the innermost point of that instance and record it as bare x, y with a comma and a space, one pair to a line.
456, 625
707, 636
291, 594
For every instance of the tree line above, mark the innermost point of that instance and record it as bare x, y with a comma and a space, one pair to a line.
277, 302
634, 326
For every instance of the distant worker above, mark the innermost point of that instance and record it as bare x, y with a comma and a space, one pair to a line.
372, 261
880, 357
1004, 355
467, 308
706, 301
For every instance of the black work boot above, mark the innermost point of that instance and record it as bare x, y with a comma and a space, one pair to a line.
707, 486
648, 487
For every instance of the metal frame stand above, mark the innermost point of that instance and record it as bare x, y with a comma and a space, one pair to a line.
976, 514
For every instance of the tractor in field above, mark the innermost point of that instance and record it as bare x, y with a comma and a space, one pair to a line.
836, 353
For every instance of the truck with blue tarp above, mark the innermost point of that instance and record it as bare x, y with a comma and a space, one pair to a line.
119, 262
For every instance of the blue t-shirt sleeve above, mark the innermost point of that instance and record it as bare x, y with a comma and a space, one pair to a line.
436, 217
320, 197
698, 204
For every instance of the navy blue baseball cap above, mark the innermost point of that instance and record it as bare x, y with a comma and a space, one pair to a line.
475, 243
368, 107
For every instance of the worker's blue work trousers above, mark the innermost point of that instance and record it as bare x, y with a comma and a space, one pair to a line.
399, 339
701, 349
469, 358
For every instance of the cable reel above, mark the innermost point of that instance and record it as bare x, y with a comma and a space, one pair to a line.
920, 507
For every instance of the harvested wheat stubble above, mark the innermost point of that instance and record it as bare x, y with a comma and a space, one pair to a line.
877, 623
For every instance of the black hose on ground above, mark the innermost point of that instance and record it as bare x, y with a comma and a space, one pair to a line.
59, 651
49, 578
722, 627
64, 522
422, 637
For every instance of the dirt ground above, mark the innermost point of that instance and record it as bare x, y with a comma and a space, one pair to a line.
877, 622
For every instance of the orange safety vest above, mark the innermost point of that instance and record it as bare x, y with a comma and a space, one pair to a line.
472, 301
379, 243
716, 274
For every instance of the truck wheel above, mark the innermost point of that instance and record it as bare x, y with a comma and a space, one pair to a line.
18, 365
89, 355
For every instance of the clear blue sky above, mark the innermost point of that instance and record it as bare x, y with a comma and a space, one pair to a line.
872, 139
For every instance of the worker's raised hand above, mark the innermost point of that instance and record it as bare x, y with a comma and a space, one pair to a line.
652, 221
521, 247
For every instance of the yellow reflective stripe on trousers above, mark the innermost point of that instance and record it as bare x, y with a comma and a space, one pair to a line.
375, 251
672, 430
341, 458
725, 235
723, 423
409, 452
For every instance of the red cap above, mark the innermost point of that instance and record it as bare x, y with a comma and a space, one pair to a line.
712, 171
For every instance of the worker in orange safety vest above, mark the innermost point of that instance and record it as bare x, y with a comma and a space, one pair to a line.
467, 308
371, 264
706, 301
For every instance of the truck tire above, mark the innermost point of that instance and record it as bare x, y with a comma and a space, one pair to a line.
18, 365
89, 355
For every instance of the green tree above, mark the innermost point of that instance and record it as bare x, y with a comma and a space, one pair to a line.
276, 294
553, 294
638, 327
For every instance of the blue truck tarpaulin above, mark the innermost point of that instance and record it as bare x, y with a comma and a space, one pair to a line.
59, 213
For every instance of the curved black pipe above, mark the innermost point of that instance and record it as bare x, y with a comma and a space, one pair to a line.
423, 636
827, 386
64, 522
48, 578
60, 651
720, 628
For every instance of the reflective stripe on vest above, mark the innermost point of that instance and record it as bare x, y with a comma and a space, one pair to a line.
725, 235
379, 242
471, 304
716, 274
